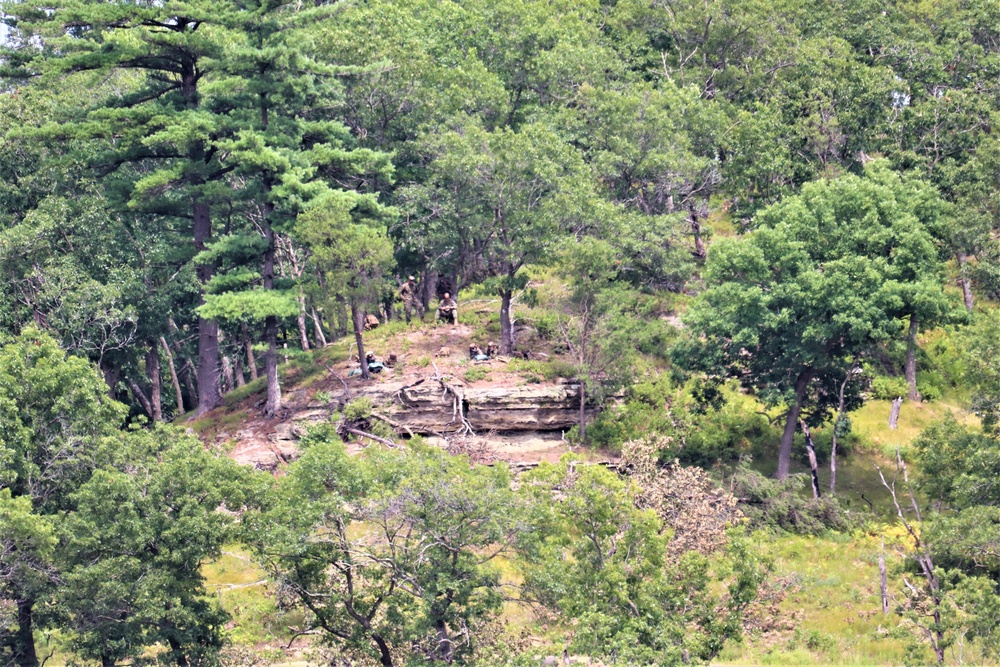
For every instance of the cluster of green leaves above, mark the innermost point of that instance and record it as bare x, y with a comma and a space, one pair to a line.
103, 531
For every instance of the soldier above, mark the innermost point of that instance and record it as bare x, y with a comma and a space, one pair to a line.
474, 351
371, 322
408, 294
374, 365
448, 309
492, 349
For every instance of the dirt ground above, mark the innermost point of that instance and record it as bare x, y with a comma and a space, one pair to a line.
422, 352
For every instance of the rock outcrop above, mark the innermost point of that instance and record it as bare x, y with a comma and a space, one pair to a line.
511, 420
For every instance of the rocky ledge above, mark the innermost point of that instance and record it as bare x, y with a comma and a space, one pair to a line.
527, 414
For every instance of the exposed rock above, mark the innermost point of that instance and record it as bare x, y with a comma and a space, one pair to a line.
512, 420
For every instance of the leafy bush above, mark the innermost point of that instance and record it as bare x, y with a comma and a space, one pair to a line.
546, 324
887, 388
773, 503
475, 375
701, 424
358, 409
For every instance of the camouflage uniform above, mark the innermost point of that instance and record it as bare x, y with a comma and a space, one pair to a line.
448, 310
408, 293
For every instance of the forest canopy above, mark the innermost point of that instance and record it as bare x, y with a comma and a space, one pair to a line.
727, 222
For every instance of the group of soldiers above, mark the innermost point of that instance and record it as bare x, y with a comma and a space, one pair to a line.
476, 353
447, 307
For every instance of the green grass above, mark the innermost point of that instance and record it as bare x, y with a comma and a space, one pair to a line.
249, 597
871, 422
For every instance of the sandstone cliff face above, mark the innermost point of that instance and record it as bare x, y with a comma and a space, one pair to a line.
429, 408
514, 419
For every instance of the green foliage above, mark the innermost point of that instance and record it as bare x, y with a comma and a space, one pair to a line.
887, 388
782, 504
475, 375
698, 423
425, 568
359, 408
134, 547
578, 566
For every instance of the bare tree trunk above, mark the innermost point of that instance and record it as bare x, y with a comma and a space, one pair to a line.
699, 242
894, 412
791, 424
429, 288
155, 380
811, 449
251, 359
208, 330
911, 359
583, 411
964, 280
140, 396
506, 328
303, 334
173, 375
273, 404
836, 427
238, 370
112, 376
191, 380
359, 327
318, 327
24, 639
227, 375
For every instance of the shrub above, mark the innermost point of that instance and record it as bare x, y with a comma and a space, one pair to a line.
774, 503
475, 374
358, 409
887, 388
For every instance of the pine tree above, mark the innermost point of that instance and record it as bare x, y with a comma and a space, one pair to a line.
289, 155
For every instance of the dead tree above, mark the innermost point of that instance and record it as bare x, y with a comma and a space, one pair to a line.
811, 449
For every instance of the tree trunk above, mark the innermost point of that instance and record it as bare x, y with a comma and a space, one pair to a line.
227, 375
811, 449
699, 242
140, 396
894, 413
506, 328
792, 424
238, 370
318, 326
208, 330
173, 375
191, 381
836, 426
251, 359
583, 412
359, 328
24, 639
428, 284
911, 360
303, 334
155, 386
385, 656
964, 280
112, 375
271, 331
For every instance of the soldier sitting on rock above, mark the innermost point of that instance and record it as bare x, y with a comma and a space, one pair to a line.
476, 354
492, 349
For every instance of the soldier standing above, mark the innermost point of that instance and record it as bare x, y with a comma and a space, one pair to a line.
408, 293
